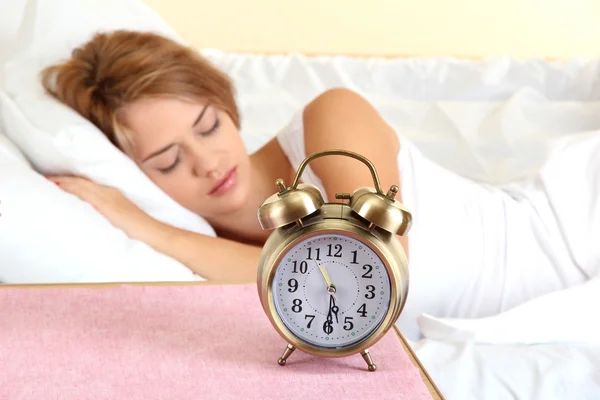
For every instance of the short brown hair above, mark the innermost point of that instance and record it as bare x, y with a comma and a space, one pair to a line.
119, 67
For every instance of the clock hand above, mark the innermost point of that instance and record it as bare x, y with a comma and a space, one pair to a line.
330, 286
335, 310
328, 325
324, 275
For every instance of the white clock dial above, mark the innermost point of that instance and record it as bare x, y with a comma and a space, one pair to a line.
315, 313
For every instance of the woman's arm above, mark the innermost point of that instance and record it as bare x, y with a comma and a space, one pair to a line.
210, 257
340, 118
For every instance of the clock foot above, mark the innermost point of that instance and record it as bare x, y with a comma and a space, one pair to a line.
367, 356
286, 353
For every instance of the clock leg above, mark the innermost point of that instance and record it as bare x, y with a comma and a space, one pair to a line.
367, 356
286, 353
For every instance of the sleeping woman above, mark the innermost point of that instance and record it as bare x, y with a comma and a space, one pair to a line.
474, 250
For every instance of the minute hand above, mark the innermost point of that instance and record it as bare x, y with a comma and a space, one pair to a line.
330, 286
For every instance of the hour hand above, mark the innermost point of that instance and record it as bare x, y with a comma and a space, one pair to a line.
335, 310
331, 304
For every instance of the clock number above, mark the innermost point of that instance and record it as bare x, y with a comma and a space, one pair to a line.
363, 311
318, 251
293, 285
303, 267
297, 307
348, 325
371, 290
354, 254
338, 252
367, 274
312, 317
328, 327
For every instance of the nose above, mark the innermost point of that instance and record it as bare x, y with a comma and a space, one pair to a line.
205, 163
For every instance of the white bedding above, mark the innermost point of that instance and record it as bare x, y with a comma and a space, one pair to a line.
495, 121
497, 372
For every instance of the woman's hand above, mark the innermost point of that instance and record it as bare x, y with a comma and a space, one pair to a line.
111, 203
210, 257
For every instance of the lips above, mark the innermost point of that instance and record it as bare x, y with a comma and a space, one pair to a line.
225, 183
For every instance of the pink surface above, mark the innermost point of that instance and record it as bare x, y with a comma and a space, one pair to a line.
174, 342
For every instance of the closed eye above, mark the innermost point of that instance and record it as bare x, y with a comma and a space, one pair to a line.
172, 166
213, 128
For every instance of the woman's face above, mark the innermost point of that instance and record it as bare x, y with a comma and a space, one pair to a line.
192, 151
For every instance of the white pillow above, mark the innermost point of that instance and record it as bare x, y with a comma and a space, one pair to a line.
55, 138
8, 149
50, 236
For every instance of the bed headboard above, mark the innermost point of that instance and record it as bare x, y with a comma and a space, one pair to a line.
460, 28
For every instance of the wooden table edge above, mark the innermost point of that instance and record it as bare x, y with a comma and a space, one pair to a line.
436, 394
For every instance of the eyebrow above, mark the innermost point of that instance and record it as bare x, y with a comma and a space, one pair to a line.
162, 150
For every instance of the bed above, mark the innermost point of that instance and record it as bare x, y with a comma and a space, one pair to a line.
493, 120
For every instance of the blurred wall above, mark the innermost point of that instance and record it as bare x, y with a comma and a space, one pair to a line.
464, 28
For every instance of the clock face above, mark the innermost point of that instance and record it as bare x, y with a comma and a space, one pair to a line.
331, 290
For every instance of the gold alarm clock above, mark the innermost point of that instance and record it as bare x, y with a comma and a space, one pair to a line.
333, 277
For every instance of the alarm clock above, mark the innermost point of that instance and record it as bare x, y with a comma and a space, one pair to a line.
333, 277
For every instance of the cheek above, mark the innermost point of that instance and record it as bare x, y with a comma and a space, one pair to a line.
169, 183
231, 136
177, 184
237, 146
185, 190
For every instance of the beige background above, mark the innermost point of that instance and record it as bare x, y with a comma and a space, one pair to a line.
462, 28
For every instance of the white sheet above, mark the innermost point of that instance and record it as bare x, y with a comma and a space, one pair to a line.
496, 121
548, 348
470, 371
563, 316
